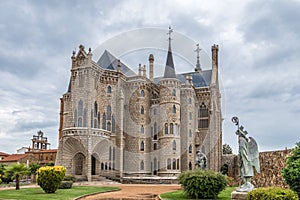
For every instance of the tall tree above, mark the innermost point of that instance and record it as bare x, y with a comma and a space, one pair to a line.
227, 149
291, 173
16, 171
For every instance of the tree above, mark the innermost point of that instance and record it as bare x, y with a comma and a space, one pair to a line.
227, 149
34, 167
16, 171
291, 173
2, 167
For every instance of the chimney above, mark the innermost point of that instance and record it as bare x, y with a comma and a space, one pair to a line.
144, 71
140, 70
151, 61
214, 56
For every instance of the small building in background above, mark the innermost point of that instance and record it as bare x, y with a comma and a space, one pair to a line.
40, 152
3, 155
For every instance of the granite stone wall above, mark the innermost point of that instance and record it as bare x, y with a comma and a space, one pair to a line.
271, 165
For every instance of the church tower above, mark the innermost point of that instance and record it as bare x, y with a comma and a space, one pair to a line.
169, 104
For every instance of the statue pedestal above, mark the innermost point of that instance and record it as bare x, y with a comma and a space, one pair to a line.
239, 195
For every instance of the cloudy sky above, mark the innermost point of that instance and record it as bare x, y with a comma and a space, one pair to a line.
259, 59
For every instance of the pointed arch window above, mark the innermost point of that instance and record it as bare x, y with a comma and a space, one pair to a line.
142, 129
142, 110
80, 122
155, 131
142, 146
190, 166
174, 93
108, 126
99, 116
171, 128
75, 119
155, 146
174, 145
169, 163
108, 112
110, 153
95, 123
174, 163
190, 101
104, 121
176, 129
80, 108
166, 128
85, 118
109, 89
203, 111
142, 165
190, 133
190, 149
142, 93
113, 125
95, 108
203, 114
174, 109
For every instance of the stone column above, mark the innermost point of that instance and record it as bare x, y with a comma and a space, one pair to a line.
89, 159
121, 98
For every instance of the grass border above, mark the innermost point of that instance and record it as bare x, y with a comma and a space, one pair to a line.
91, 194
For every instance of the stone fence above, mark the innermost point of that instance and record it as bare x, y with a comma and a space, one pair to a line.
271, 165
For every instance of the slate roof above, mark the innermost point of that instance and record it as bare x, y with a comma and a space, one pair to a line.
200, 79
108, 61
169, 68
4, 154
13, 158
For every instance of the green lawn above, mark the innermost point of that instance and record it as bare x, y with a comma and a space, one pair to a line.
179, 195
60, 194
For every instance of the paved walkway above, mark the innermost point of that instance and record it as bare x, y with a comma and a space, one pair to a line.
134, 191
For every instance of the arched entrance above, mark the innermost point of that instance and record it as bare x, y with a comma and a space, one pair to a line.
79, 163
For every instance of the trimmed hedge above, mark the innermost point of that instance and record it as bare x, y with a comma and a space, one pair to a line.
272, 193
202, 184
49, 178
66, 185
70, 178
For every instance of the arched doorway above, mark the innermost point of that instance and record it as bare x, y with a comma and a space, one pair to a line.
79, 163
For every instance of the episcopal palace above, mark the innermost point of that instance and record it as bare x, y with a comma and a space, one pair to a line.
127, 125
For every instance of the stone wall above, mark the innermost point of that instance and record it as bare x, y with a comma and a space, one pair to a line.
271, 165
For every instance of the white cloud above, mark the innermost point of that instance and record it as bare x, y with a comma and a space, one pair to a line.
259, 60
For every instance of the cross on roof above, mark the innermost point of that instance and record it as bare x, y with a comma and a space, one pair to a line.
198, 50
169, 32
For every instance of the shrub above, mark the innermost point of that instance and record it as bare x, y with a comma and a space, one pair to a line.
272, 193
70, 178
66, 185
291, 173
202, 184
49, 178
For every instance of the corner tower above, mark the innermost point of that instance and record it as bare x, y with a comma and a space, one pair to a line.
169, 104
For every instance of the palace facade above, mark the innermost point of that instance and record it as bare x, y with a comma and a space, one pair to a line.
132, 126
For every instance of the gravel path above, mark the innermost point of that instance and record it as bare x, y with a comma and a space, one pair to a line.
134, 191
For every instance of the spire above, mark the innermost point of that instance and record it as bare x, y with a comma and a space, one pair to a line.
170, 69
198, 66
